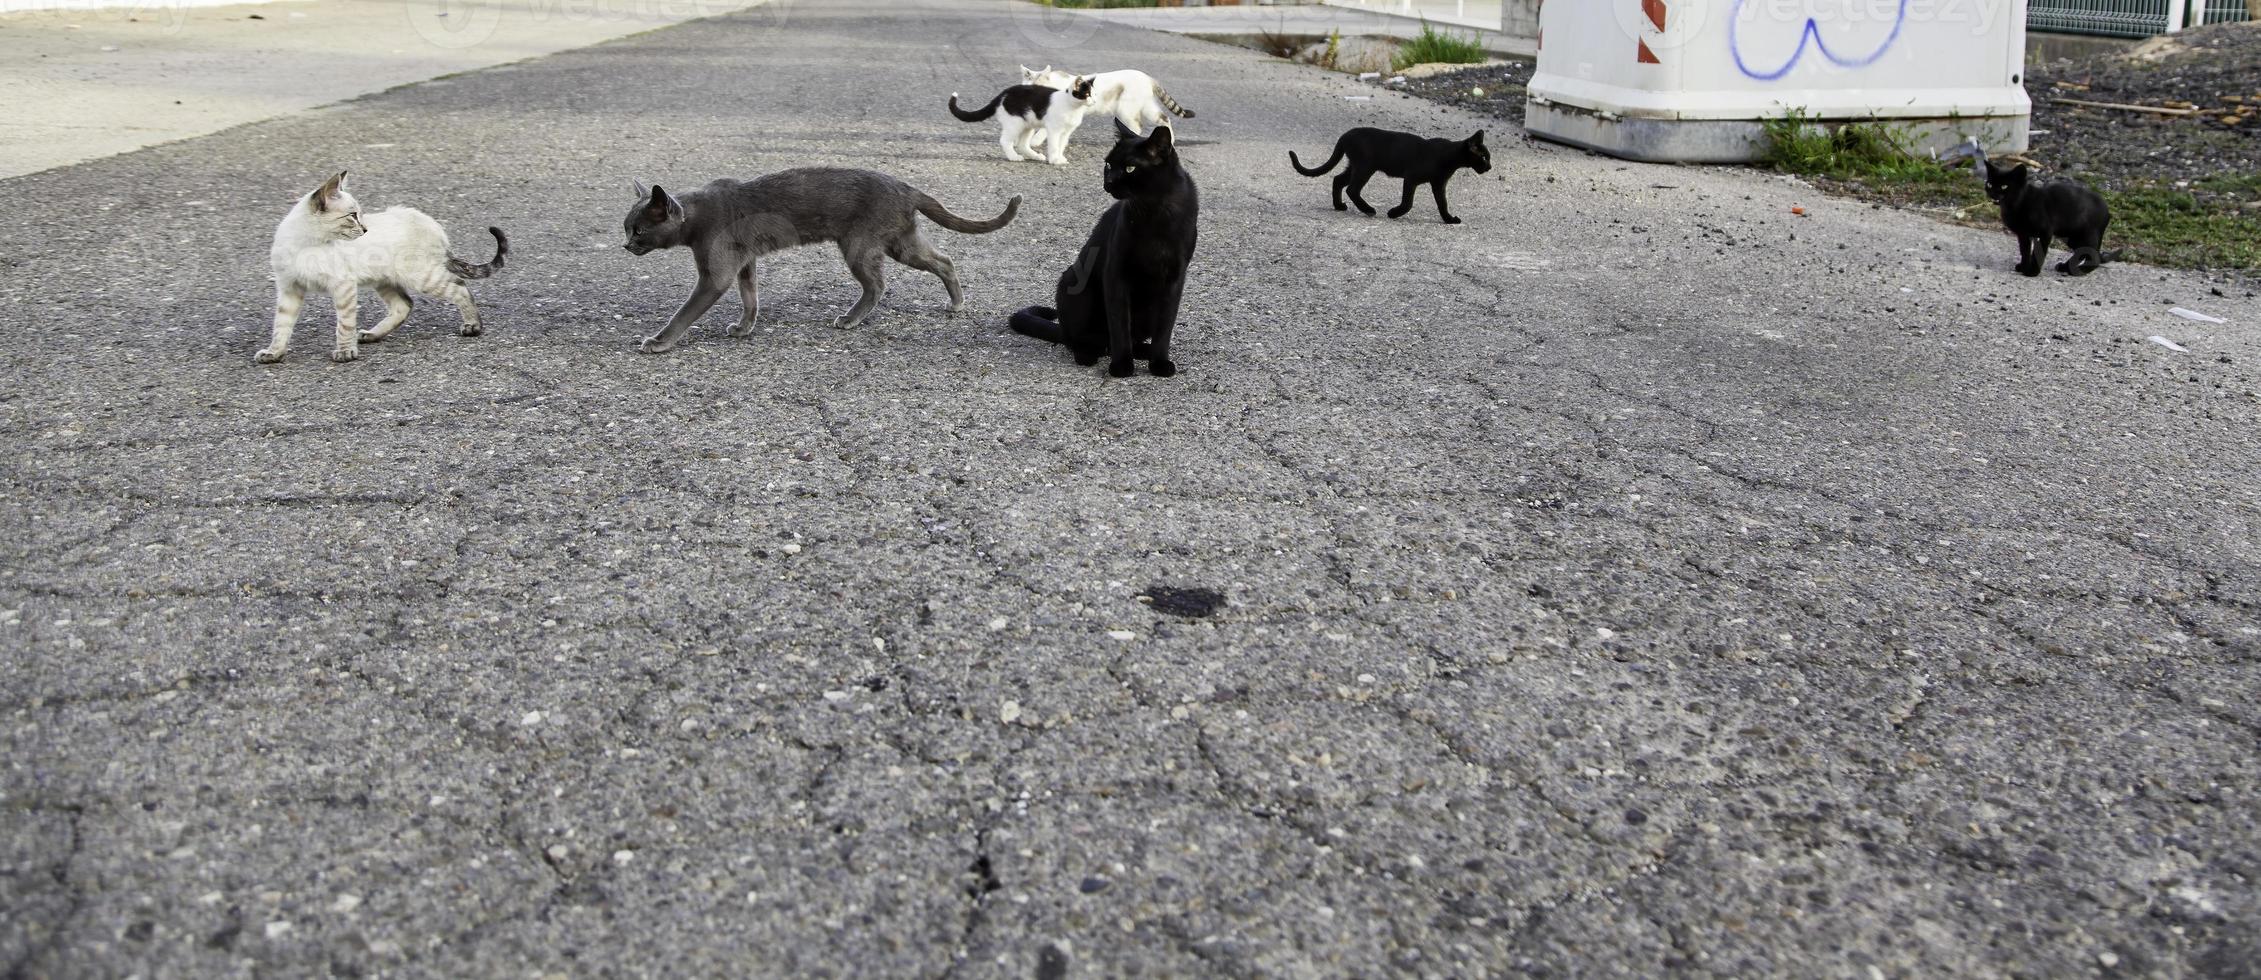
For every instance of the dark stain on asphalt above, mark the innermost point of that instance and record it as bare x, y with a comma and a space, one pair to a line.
1193, 603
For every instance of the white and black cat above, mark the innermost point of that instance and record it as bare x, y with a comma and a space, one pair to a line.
1134, 97
325, 245
729, 224
1034, 113
1121, 296
2063, 209
1415, 159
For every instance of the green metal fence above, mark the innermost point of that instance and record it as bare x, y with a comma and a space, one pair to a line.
2127, 18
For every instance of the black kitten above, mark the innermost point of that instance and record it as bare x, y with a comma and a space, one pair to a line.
2061, 208
1417, 160
1121, 295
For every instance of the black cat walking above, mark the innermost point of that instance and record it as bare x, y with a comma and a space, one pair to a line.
1415, 159
2060, 208
1121, 295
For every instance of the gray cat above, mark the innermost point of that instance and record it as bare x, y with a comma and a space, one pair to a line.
730, 223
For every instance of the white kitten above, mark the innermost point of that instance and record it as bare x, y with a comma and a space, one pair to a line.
1133, 96
1033, 114
324, 245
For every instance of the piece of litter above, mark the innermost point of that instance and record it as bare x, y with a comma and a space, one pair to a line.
1399, 80
1367, 76
1798, 211
1358, 98
2169, 344
1122, 634
1477, 92
1009, 712
2195, 315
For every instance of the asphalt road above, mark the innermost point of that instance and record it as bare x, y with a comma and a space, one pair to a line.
1639, 579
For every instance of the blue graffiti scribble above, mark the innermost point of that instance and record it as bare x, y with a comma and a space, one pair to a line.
1810, 32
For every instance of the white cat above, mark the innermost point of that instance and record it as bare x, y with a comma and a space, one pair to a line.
1133, 96
1034, 114
324, 245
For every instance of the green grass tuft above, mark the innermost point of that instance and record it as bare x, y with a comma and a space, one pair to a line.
1437, 46
1873, 155
2174, 227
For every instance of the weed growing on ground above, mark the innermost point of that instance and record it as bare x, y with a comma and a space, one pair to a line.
1433, 45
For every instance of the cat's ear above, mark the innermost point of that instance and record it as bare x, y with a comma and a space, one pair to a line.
1159, 138
2021, 173
1477, 139
1123, 132
661, 206
638, 188
328, 192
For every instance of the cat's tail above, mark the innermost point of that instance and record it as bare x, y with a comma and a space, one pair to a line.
1170, 103
940, 215
976, 115
465, 270
1322, 168
2088, 259
1040, 322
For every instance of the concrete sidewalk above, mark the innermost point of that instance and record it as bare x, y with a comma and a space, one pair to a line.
84, 84
1641, 579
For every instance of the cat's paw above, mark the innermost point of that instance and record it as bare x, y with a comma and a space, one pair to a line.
371, 336
344, 354
2029, 269
1396, 213
1450, 220
1340, 206
1162, 369
468, 330
844, 322
654, 345
744, 328
1086, 360
1060, 162
1121, 369
267, 357
1366, 209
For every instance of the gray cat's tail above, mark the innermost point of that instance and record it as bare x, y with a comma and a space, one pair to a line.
940, 215
465, 270
1322, 168
976, 115
1170, 103
1040, 322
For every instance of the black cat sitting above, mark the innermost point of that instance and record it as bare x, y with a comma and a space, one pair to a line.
2061, 208
1122, 290
1416, 159
1121, 295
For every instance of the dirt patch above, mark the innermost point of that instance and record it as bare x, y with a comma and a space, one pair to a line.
2216, 69
1496, 90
